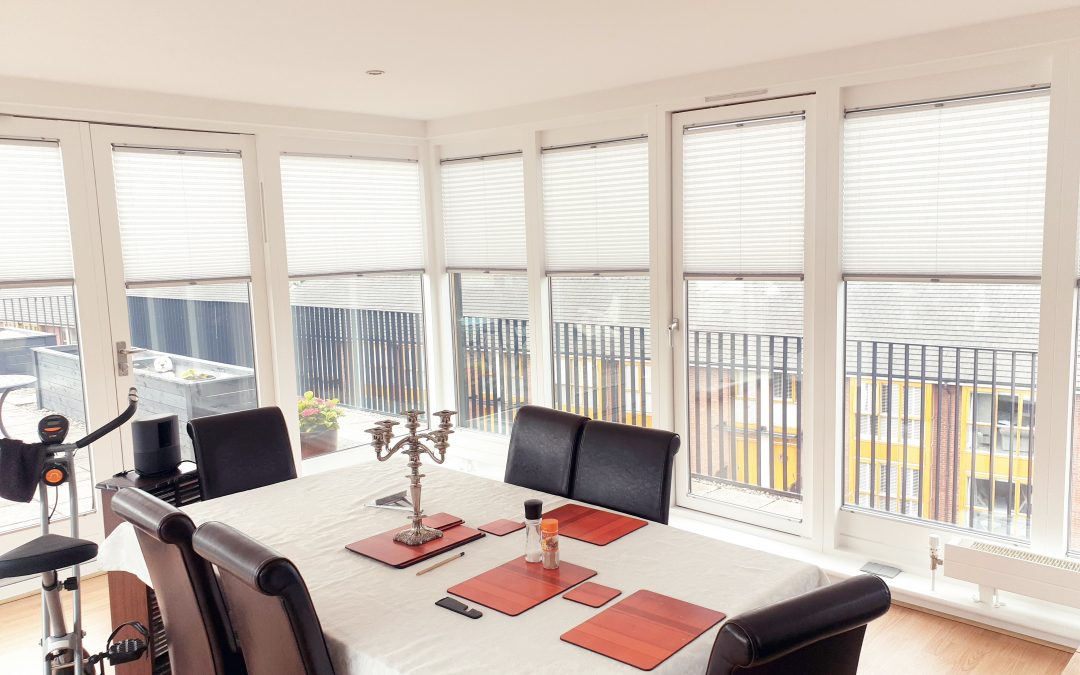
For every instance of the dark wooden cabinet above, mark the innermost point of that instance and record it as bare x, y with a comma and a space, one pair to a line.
129, 598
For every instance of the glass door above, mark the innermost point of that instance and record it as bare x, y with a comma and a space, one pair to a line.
182, 243
53, 354
739, 215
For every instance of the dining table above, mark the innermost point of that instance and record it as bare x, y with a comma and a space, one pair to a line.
381, 620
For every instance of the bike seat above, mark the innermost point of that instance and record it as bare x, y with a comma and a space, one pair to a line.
47, 552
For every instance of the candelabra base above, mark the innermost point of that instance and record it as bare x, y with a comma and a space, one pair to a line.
416, 535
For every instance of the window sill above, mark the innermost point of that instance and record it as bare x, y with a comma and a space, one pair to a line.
1043, 622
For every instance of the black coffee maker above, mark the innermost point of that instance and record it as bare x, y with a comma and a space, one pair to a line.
157, 444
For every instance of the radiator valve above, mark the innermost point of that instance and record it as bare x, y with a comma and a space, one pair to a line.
936, 560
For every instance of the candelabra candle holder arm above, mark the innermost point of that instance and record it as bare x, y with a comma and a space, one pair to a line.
412, 445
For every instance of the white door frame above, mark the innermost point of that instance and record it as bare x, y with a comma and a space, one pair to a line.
681, 407
103, 138
99, 388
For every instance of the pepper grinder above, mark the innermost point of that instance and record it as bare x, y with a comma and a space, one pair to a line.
533, 514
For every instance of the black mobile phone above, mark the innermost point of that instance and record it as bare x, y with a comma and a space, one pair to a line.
459, 607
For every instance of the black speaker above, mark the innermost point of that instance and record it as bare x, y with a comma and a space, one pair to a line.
157, 444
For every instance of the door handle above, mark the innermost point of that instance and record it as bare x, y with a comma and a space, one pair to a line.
123, 362
672, 327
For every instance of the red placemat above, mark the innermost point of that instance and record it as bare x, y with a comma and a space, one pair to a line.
383, 548
593, 525
593, 595
502, 527
513, 587
442, 521
644, 629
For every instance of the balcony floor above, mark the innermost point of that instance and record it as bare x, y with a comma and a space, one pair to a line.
747, 498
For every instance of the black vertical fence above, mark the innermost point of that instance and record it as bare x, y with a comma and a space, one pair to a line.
368, 359
943, 433
745, 395
202, 329
602, 371
493, 371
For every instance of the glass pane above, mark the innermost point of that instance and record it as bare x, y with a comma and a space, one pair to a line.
492, 341
601, 347
360, 356
199, 359
40, 374
745, 351
957, 446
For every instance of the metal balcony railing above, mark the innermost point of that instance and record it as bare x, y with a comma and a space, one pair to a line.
941, 433
603, 371
745, 410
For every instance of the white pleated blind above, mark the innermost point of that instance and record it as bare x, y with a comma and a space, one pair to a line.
35, 239
955, 188
348, 214
182, 215
596, 207
483, 210
744, 188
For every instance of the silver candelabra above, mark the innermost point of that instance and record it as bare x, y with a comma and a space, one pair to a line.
382, 435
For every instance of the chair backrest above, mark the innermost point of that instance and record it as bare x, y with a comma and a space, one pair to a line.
241, 451
818, 633
275, 622
200, 636
625, 468
542, 448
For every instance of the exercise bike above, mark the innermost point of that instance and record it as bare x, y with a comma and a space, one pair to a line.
62, 649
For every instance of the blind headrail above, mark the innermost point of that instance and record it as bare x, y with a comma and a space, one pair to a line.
594, 144
947, 278
1032, 90
481, 158
749, 122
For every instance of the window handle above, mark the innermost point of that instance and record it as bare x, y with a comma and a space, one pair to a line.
671, 328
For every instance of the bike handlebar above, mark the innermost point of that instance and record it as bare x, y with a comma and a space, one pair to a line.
133, 405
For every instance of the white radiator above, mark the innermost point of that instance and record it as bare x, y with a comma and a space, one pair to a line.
993, 567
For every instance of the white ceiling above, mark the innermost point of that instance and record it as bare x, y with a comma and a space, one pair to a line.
442, 57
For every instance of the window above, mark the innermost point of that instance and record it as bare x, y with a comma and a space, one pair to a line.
354, 241
596, 230
742, 206
942, 244
483, 204
184, 235
38, 327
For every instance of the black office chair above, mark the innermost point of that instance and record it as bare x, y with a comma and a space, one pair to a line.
625, 468
197, 624
275, 622
241, 451
542, 447
818, 633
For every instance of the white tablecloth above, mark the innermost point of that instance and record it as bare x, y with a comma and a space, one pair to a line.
378, 619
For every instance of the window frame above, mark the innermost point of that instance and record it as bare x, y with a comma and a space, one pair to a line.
811, 503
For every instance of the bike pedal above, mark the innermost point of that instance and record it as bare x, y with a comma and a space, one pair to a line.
126, 651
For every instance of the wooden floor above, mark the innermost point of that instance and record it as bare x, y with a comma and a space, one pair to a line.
904, 642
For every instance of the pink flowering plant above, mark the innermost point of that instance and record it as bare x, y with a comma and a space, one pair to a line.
318, 414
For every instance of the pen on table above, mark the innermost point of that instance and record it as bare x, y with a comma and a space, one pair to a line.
440, 564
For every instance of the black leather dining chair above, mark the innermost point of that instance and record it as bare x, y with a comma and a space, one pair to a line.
625, 468
275, 622
818, 633
241, 451
542, 447
200, 635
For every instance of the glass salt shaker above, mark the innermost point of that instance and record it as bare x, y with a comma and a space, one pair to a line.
549, 543
533, 508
